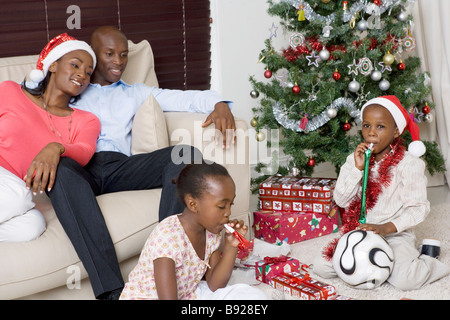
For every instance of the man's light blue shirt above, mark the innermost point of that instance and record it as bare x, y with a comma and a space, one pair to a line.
116, 104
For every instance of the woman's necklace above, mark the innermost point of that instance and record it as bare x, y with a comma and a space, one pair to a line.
52, 124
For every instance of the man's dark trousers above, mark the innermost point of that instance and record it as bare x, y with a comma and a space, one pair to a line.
74, 200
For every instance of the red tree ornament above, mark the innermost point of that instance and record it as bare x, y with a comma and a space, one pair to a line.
267, 74
377, 2
311, 162
347, 126
401, 66
336, 75
426, 109
296, 89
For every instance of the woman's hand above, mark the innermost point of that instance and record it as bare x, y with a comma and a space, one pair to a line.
42, 170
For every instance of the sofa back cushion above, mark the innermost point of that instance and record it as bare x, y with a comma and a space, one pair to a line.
141, 64
149, 131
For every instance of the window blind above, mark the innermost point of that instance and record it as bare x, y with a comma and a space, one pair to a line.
178, 31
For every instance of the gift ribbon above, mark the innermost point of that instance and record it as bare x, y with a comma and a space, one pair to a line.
271, 260
304, 281
268, 260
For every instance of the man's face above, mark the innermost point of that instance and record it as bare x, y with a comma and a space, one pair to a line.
111, 50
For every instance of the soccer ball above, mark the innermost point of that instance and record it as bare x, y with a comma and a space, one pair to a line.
363, 259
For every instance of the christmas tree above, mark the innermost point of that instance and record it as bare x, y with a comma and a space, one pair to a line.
340, 54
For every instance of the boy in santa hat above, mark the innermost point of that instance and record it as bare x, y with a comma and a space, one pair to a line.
396, 195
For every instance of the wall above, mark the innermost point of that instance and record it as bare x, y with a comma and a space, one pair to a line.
238, 33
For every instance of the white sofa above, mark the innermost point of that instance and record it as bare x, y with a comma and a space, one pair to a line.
48, 267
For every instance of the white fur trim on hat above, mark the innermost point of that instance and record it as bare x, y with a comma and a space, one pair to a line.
56, 53
393, 109
64, 48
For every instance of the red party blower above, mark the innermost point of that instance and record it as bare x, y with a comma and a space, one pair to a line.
244, 243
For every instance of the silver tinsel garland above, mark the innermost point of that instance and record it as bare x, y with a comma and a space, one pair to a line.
362, 5
319, 120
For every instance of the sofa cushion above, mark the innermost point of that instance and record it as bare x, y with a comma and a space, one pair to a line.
149, 128
141, 65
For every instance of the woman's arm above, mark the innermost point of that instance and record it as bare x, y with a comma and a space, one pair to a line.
84, 141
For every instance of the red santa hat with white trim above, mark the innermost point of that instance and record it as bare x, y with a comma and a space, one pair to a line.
55, 49
403, 121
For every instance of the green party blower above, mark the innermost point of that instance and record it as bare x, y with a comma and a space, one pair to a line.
362, 216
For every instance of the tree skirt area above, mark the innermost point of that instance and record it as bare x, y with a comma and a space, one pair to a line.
436, 226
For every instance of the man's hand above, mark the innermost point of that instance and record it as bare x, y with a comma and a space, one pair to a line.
42, 170
223, 119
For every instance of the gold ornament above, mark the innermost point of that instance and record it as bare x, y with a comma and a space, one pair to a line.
325, 1
388, 58
260, 136
301, 13
254, 122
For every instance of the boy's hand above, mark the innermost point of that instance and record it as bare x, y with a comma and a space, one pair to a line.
381, 229
360, 155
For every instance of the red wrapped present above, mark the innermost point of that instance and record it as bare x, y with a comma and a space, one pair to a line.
287, 193
271, 266
292, 227
302, 286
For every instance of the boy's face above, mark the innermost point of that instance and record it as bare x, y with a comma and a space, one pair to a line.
379, 128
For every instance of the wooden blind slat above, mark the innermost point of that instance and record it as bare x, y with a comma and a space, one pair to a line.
180, 38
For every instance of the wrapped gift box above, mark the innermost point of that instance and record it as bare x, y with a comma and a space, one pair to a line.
292, 227
287, 193
302, 286
272, 266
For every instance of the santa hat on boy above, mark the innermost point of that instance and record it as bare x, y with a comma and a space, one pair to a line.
55, 49
403, 121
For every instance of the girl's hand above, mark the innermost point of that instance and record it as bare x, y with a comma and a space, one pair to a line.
360, 155
43, 168
239, 227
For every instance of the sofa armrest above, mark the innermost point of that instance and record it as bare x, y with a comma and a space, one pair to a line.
186, 128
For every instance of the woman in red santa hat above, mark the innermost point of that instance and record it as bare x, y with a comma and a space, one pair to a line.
396, 194
37, 127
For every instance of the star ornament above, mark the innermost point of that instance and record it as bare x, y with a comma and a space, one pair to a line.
273, 31
353, 68
312, 57
384, 67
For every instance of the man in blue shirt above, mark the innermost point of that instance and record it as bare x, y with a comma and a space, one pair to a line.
113, 168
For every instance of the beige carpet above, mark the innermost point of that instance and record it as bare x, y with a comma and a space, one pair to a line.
436, 226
